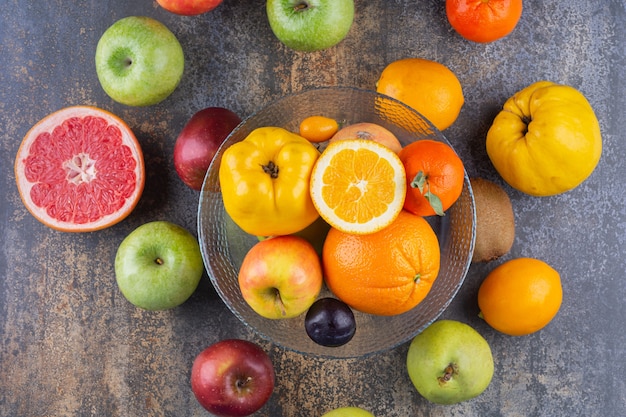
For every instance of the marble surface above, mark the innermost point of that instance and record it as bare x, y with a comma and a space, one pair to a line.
71, 345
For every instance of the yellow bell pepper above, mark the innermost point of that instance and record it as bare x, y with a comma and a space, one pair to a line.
265, 182
546, 140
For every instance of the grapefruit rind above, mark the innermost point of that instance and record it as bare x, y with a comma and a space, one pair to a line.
46, 126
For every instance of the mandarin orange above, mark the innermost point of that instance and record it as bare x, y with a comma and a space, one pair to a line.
483, 21
435, 176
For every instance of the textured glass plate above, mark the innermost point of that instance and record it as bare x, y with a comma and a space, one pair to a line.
224, 245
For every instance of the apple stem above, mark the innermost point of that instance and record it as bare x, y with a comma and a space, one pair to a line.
279, 302
241, 383
449, 372
301, 6
159, 261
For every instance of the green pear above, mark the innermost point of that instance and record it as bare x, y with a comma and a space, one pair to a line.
348, 412
449, 362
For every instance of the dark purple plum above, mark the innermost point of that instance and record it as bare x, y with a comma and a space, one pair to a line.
330, 322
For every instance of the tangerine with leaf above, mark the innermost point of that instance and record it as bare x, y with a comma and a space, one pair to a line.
434, 177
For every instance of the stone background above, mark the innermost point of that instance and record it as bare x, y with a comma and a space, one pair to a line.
71, 345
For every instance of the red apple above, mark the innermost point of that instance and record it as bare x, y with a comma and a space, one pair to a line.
232, 378
189, 7
198, 142
281, 277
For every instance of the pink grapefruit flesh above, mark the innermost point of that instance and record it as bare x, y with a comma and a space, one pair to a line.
80, 169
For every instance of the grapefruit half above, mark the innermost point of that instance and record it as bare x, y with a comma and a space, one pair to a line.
80, 169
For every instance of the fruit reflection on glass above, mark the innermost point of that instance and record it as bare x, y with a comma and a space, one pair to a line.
232, 378
158, 266
281, 277
427, 86
520, 296
387, 272
450, 362
310, 25
546, 140
80, 169
139, 61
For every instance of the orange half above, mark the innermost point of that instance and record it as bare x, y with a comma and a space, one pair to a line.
358, 186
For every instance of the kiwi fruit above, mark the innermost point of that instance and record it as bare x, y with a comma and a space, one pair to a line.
495, 222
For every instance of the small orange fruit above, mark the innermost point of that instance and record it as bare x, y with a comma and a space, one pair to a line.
521, 296
318, 128
358, 185
427, 86
483, 20
384, 273
435, 176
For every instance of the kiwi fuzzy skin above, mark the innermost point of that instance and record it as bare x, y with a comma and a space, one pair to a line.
495, 221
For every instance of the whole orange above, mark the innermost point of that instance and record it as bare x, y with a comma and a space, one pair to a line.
427, 86
434, 177
520, 296
384, 273
483, 20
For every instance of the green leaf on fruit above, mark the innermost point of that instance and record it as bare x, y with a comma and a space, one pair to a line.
421, 183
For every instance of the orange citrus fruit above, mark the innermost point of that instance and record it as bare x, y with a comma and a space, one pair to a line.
427, 86
358, 185
384, 273
80, 169
483, 20
520, 296
318, 128
435, 176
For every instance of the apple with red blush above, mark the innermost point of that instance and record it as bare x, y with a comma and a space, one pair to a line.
198, 142
232, 378
189, 7
281, 277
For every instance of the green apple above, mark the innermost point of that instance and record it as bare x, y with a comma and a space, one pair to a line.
158, 265
310, 25
348, 412
449, 362
281, 277
139, 62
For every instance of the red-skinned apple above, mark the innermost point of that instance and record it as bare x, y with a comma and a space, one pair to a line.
232, 378
198, 142
280, 277
189, 7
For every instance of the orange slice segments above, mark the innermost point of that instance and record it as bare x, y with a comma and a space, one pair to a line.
358, 186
